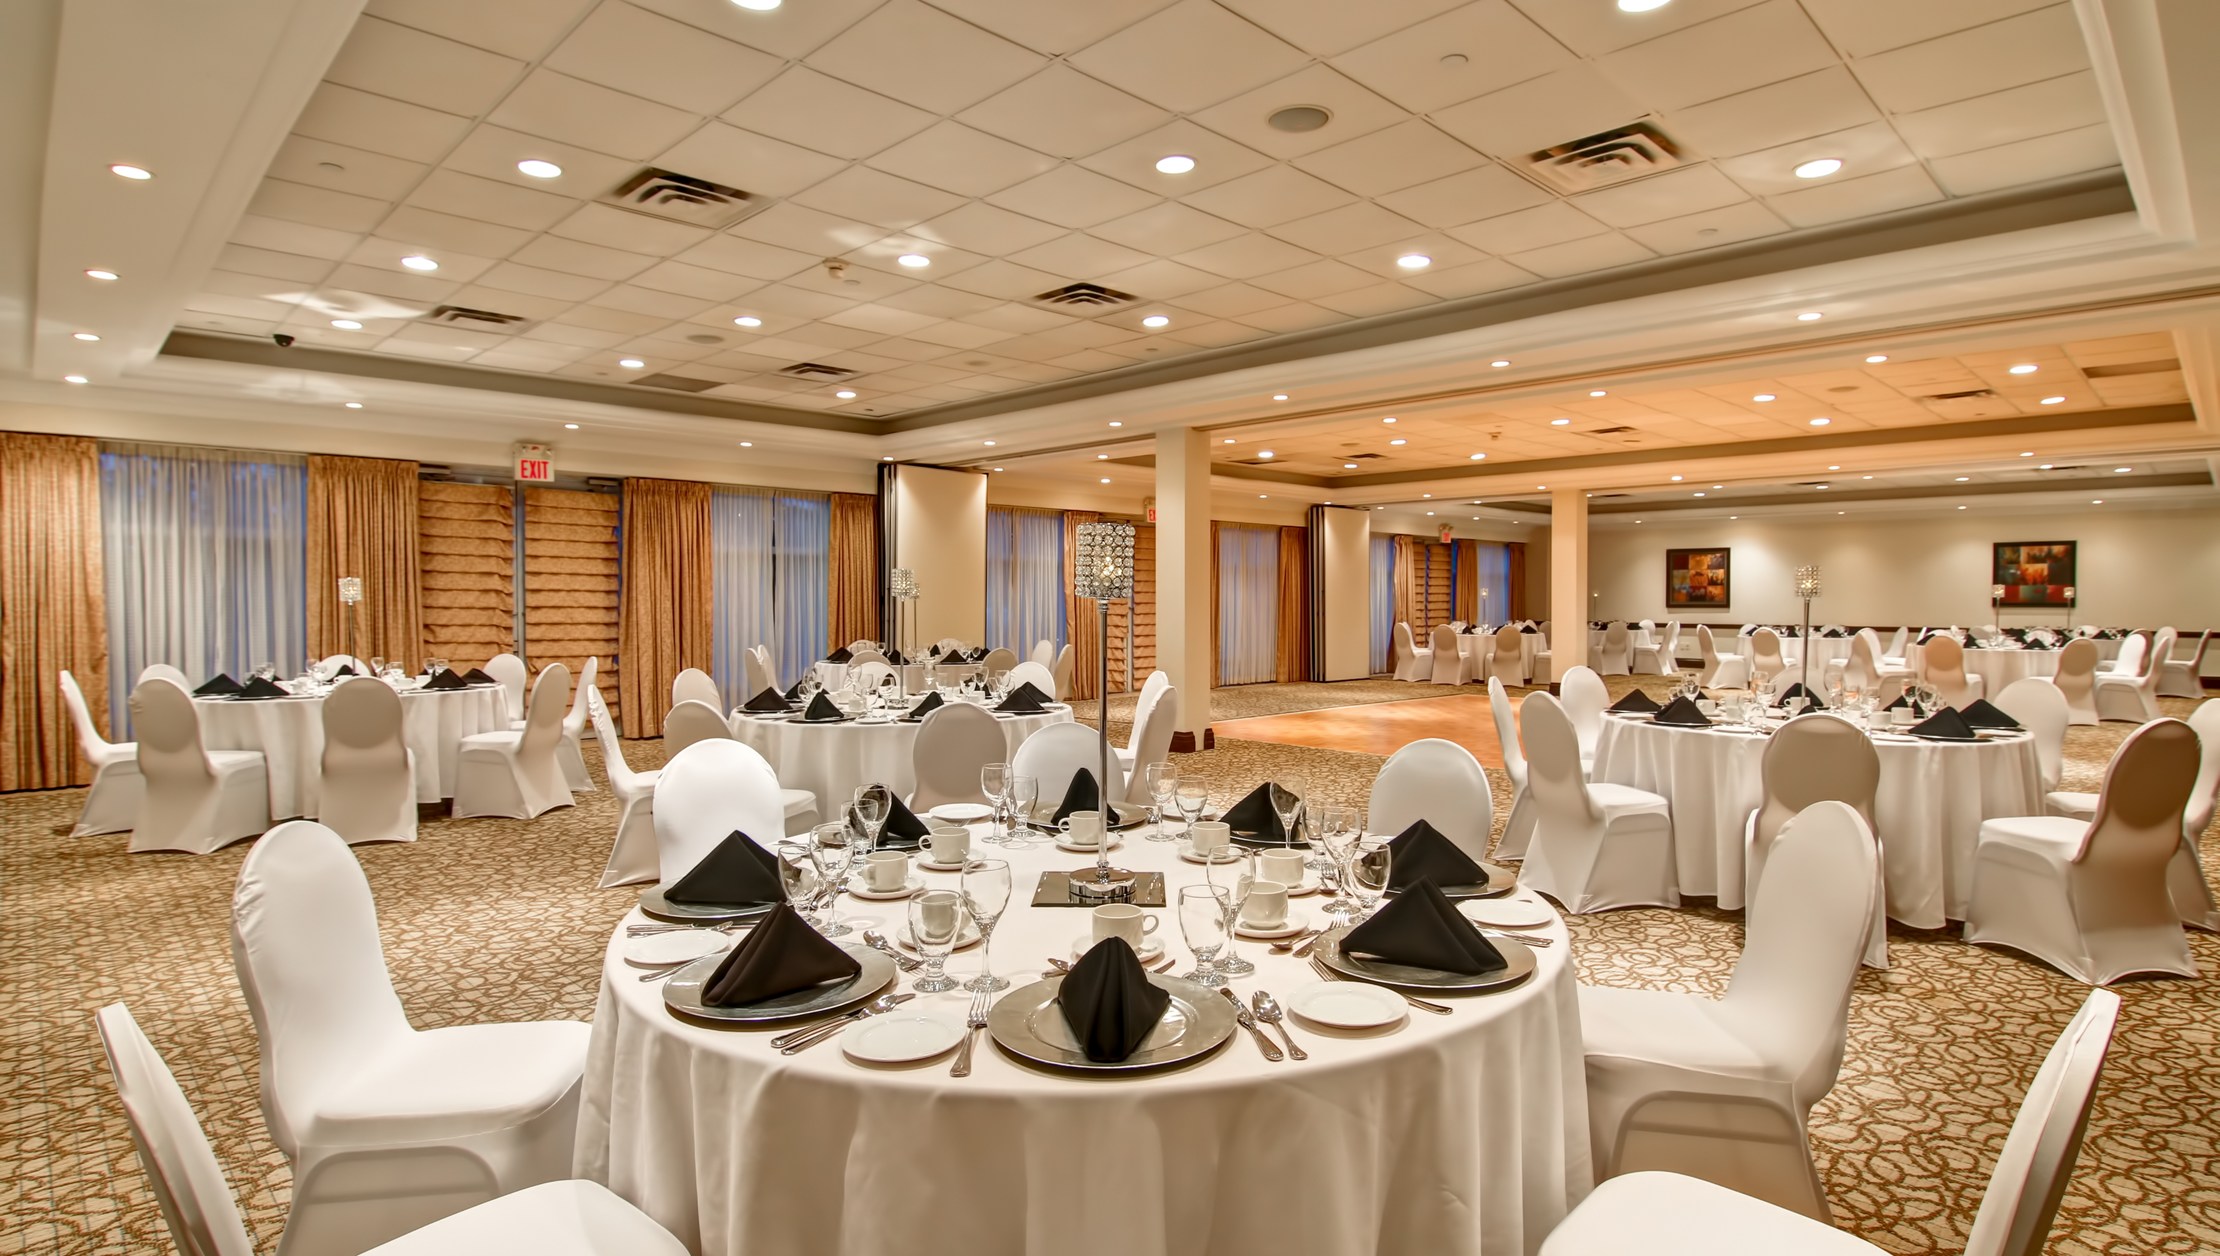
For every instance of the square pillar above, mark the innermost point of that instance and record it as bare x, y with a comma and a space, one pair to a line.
1568, 580
1183, 645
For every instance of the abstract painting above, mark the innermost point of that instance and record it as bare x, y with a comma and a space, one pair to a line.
1696, 579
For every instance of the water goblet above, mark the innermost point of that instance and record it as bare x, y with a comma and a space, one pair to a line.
1202, 921
1193, 796
994, 782
936, 919
871, 807
1343, 832
1236, 895
836, 854
1162, 780
1024, 792
986, 892
1288, 792
801, 877
1370, 865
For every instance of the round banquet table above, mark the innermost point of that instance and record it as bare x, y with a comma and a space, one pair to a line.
1458, 1135
835, 675
1997, 667
1482, 645
290, 734
832, 761
1928, 809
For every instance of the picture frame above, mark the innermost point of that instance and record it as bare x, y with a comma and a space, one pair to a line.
2033, 573
1698, 579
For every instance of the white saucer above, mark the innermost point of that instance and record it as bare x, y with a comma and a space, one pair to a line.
1152, 947
899, 1037
676, 947
1507, 913
858, 889
1187, 852
1348, 1004
1295, 923
966, 938
935, 865
870, 720
1115, 842
962, 812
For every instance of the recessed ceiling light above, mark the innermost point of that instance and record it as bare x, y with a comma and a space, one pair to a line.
1429, 514
1596, 392
346, 324
1263, 497
570, 427
846, 394
2044, 467
2023, 368
1763, 397
987, 443
1398, 441
83, 335
354, 405
1677, 479
1414, 261
139, 173
1106, 479
1810, 316
1821, 421
1961, 508
630, 364
763, 6
1476, 458
1876, 357
1102, 457
1427, 496
1560, 422
915, 261
749, 444
1698, 494
1177, 163
2121, 470
1818, 167
747, 320
417, 261
2027, 453
2097, 501
1734, 516
1865, 477
1156, 320
1541, 488
1963, 478
1117, 423
998, 468
539, 169
887, 458
1641, 6
105, 276
1348, 466
2052, 401
73, 379
1822, 487
1279, 396
1261, 453
1227, 441
1388, 419
1500, 363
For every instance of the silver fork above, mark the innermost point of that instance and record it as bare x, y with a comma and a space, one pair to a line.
1439, 1009
974, 1021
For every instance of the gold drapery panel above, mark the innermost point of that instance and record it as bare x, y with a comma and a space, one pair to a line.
1294, 646
666, 621
571, 573
1082, 615
466, 570
1518, 579
362, 522
53, 606
1464, 601
852, 584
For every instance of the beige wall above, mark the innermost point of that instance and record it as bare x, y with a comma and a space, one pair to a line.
1346, 594
940, 531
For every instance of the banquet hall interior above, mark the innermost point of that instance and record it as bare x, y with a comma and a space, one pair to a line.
1156, 627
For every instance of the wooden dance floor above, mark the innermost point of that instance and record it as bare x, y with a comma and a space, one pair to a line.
1380, 728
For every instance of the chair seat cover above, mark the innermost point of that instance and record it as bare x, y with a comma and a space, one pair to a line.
1666, 1029
1668, 1214
569, 1218
458, 1081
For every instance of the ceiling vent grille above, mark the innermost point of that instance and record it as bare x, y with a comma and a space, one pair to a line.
464, 316
683, 198
1615, 156
815, 371
1085, 294
1620, 430
676, 383
1969, 394
1360, 457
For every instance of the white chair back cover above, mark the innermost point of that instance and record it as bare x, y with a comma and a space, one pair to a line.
1895, 648
2038, 1157
367, 792
511, 672
952, 744
163, 671
757, 664
1060, 674
704, 793
1507, 733
1708, 650
574, 722
691, 721
2077, 677
1158, 681
304, 935
1437, 781
1509, 646
1813, 759
1617, 652
1766, 658
1036, 674
1449, 665
1943, 663
544, 714
2205, 720
1044, 652
1404, 661
1862, 670
999, 660
90, 743
863, 643
1153, 726
1584, 697
333, 662
1553, 773
2040, 709
949, 645
867, 675
1052, 756
171, 755
621, 775
869, 654
694, 685
182, 1168
2139, 813
2129, 661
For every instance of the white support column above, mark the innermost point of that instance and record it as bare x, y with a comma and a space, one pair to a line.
1568, 580
1183, 645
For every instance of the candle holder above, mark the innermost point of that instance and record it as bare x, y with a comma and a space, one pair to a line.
350, 596
901, 585
1102, 570
1807, 589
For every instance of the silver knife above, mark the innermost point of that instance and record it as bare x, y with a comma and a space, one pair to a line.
809, 1036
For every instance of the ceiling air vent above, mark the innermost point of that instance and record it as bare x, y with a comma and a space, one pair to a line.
676, 383
1084, 294
683, 198
815, 370
464, 316
1968, 395
1614, 156
1620, 430
1360, 457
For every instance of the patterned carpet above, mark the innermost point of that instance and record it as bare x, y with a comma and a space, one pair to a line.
497, 920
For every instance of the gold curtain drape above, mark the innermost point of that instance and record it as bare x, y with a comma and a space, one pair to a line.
1082, 618
1464, 599
1518, 579
852, 584
1294, 652
664, 623
53, 606
362, 521
1410, 586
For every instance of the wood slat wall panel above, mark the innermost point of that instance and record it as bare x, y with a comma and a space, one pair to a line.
1437, 592
466, 547
570, 582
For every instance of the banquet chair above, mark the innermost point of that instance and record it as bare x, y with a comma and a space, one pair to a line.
2077, 680
1615, 657
1060, 673
1866, 643
1409, 661
755, 663
1812, 759
1044, 652
862, 643
706, 792
868, 675
1657, 658
2129, 660
1985, 633
2185, 873
1153, 731
1052, 756
2184, 677
1158, 681
368, 791
1766, 656
999, 661
1595, 846
1506, 656
1724, 1087
1437, 781
163, 671
331, 663
1721, 671
1035, 674
514, 773
1451, 666
694, 685
2134, 695
566, 1218
691, 721
1624, 1214
1518, 828
953, 742
387, 1127
1892, 655
570, 752
1584, 697
1942, 663
868, 654
2092, 898
112, 804
195, 799
514, 677
632, 854
2040, 709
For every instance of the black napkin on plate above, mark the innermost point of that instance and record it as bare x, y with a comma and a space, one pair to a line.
345, 669
736, 872
840, 655
1024, 700
1107, 1000
902, 830
477, 676
1083, 794
821, 709
1903, 703
979, 654
1946, 725
218, 686
933, 702
895, 657
1530, 632
447, 679
2038, 643
780, 956
1797, 690
769, 702
1636, 701
1421, 853
261, 687
1980, 714
1255, 820
1682, 712
794, 692
1834, 634
1422, 929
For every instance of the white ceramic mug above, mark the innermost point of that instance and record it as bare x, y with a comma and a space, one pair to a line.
950, 842
886, 870
1209, 837
1081, 828
1283, 866
1266, 906
1123, 920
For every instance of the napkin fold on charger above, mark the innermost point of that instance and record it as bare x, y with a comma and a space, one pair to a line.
1980, 714
1421, 853
447, 679
1814, 702
769, 702
781, 955
477, 676
1255, 819
1026, 699
736, 872
823, 709
902, 830
895, 658
1108, 1002
933, 702
345, 669
1637, 702
261, 687
1083, 794
1423, 929
1946, 724
1529, 630
217, 686
1682, 712
840, 655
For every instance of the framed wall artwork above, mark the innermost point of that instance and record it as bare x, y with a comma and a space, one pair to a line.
1696, 579
2034, 573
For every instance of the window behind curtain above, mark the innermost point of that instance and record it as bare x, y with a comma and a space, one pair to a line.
206, 559
1025, 578
770, 553
1495, 577
1383, 601
1248, 604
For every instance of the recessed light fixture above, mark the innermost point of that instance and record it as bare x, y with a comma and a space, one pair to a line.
1677, 479
417, 261
1261, 453
346, 324
2052, 401
2121, 470
354, 405
1117, 423
83, 335
1429, 514
1763, 397
1388, 419
998, 468
1541, 488
1348, 466
137, 173
1699, 494
846, 394
2097, 501
1227, 441
1818, 167
2044, 467
1177, 163
1414, 261
1156, 320
1821, 421
1963, 478
988, 443
887, 458
1734, 516
1398, 441
764, 6
1961, 508
1476, 458
538, 169
1834, 468
1427, 496
1865, 477
1822, 487
747, 320
570, 427
104, 276
630, 364
1810, 316
1641, 6
1102, 457
1279, 396
1106, 479
1263, 496
2023, 368
1596, 392
1560, 422
2027, 453
73, 379
1876, 357
749, 444
915, 261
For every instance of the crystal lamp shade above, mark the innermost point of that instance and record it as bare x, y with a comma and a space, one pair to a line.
350, 589
1807, 582
1104, 567
901, 583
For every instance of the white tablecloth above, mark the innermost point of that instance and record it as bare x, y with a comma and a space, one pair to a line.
835, 675
1445, 1135
1482, 645
290, 734
832, 761
1932, 799
1996, 668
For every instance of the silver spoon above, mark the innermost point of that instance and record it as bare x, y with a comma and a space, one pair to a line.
1268, 1011
877, 942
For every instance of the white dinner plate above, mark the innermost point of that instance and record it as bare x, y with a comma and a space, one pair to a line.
962, 812
899, 1037
857, 888
677, 947
1507, 913
1347, 1004
1296, 922
1152, 947
965, 940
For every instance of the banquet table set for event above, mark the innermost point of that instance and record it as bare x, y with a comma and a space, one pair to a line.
832, 759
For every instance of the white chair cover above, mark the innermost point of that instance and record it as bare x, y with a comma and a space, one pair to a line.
1508, 655
1450, 666
1518, 830
756, 662
112, 804
694, 685
1044, 652
331, 663
952, 744
1060, 672
162, 671
867, 675
1615, 657
1057, 753
2180, 677
1437, 781
2077, 679
571, 753
703, 794
1158, 681
368, 790
1410, 662
2041, 710
868, 654
195, 800
1595, 847
689, 722
1766, 657
515, 773
1035, 674
1658, 658
1000, 660
2185, 874
1721, 671
1153, 729
632, 853
1812, 759
2129, 660
2133, 694
1584, 697
568, 1218
1942, 664
511, 672
181, 1167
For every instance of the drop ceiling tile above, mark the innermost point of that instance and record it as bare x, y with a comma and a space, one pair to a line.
436, 231
1189, 56
957, 335
421, 69
1581, 256
385, 252
1863, 150
2065, 103
269, 264
1326, 27
1219, 333
635, 51
1863, 27
2028, 161
1710, 229
1559, 106
1053, 29
1387, 161
401, 285
751, 258
574, 258
667, 306
790, 31
591, 116
2028, 48
1383, 298
379, 124
261, 287
924, 57
1166, 229
1079, 256
826, 115
1072, 197
909, 350
1486, 192
1539, 227
489, 201
1017, 319
1839, 200
492, 152
1819, 103
1492, 275
1232, 300
1064, 113
1301, 316
981, 228
318, 207
1246, 256
1271, 196
239, 307
479, 296
626, 321
1595, 29
1715, 59
1670, 195
884, 319
1469, 51
834, 338
515, 277
1318, 279
800, 227
524, 29
866, 195
1216, 158
742, 159
791, 302
886, 255
1090, 361
420, 347
1346, 229
855, 283
942, 302
1005, 279
516, 357
615, 228
955, 158
1384, 260
1033, 372
1159, 280
1355, 109
569, 334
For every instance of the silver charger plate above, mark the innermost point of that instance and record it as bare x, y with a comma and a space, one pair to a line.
1123, 816
682, 991
1518, 965
1500, 882
654, 904
1028, 1024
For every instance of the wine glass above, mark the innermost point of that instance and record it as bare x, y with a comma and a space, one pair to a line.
936, 919
835, 856
1236, 894
994, 782
1024, 792
1370, 865
1192, 793
871, 806
1288, 793
1162, 780
1202, 921
986, 891
1344, 829
801, 876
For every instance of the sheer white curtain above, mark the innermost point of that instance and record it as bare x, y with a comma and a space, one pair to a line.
770, 553
801, 561
1248, 604
207, 562
1495, 582
1025, 578
1383, 601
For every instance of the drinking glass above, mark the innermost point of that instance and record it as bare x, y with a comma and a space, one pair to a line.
872, 805
1162, 780
1193, 796
801, 876
1288, 792
986, 891
835, 856
936, 919
994, 782
1344, 828
1370, 864
1236, 894
1202, 921
1024, 792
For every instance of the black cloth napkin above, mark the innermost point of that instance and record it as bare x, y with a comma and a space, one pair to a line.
895, 657
477, 676
1470, 629
1421, 853
1980, 714
737, 872
902, 830
840, 655
780, 956
2037, 643
1797, 690
1254, 819
1636, 701
448, 678
1903, 703
218, 685
1024, 700
933, 702
1946, 725
260, 687
1834, 634
821, 708
794, 692
1083, 794
769, 702
1107, 1000
345, 669
1682, 712
1423, 930
1530, 632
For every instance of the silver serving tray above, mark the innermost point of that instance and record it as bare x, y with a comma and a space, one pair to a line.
682, 991
1518, 965
1028, 1024
654, 904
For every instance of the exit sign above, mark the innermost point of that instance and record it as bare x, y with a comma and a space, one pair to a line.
535, 464
1446, 534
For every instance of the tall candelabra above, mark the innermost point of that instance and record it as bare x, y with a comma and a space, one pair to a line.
1103, 572
901, 585
350, 597
1807, 588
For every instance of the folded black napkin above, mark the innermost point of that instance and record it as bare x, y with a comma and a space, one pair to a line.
1979, 714
1024, 700
260, 687
1423, 930
1107, 1000
1946, 725
769, 702
780, 956
1255, 820
933, 702
345, 669
2015, 634
1927, 637
477, 676
1636, 701
1421, 853
1797, 690
821, 708
736, 872
895, 657
1530, 632
979, 654
218, 686
1470, 629
1834, 634
2038, 643
1683, 712
840, 655
1083, 794
902, 830
1904, 703
447, 678
794, 692
1976, 643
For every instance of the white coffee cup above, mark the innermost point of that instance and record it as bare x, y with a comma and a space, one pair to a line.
1123, 920
1208, 837
950, 842
886, 870
1266, 906
1283, 866
1081, 828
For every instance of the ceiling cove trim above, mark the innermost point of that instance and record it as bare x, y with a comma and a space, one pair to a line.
2107, 485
